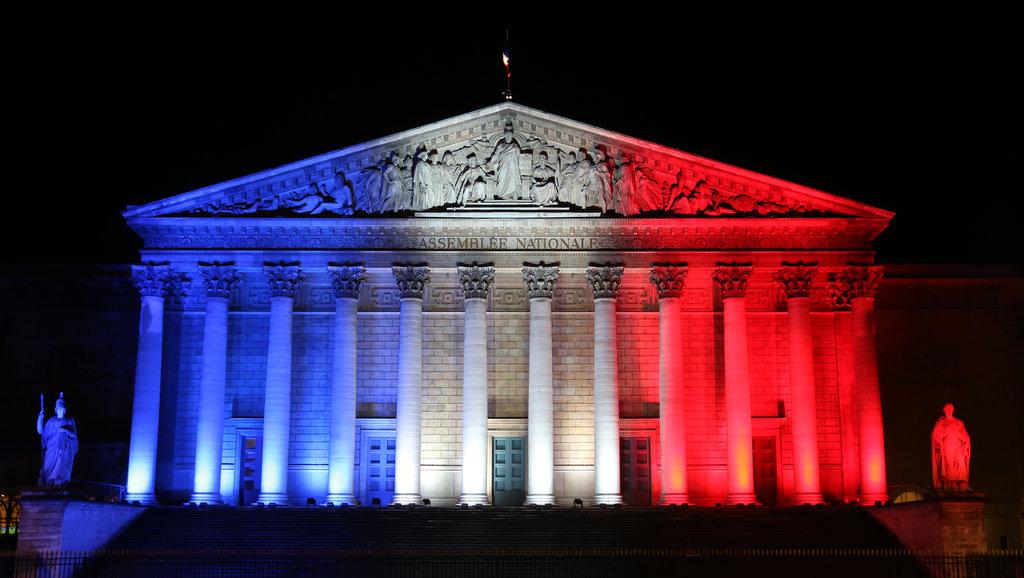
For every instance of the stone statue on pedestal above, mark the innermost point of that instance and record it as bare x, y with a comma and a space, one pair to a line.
951, 453
60, 444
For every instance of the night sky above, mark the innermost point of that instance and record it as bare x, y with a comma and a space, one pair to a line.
904, 113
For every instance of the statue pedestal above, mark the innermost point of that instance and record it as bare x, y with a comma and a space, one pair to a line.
942, 523
53, 520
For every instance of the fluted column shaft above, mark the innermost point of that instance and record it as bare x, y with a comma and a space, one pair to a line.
861, 282
669, 281
341, 487
796, 283
874, 487
476, 281
155, 282
540, 481
604, 280
411, 283
732, 282
284, 280
219, 279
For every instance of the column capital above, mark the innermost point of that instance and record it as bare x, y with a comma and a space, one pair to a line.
858, 280
219, 278
605, 279
476, 279
347, 279
412, 280
155, 279
540, 279
731, 278
284, 278
668, 279
795, 278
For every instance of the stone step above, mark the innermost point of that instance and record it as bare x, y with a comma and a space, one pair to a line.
453, 528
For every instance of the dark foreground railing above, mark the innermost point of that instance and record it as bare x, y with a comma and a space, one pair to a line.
519, 563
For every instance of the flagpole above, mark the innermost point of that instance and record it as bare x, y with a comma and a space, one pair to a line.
508, 71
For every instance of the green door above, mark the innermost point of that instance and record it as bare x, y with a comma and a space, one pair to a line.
509, 472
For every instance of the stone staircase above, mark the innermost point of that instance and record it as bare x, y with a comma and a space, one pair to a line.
425, 528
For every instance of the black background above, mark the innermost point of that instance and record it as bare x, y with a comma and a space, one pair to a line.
914, 113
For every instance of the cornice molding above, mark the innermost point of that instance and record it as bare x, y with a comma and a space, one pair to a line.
557, 234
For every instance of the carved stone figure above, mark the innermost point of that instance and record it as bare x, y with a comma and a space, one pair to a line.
444, 178
505, 159
649, 192
60, 444
471, 186
598, 189
577, 178
951, 453
368, 191
424, 194
343, 193
543, 188
679, 196
624, 187
394, 196
313, 201
566, 166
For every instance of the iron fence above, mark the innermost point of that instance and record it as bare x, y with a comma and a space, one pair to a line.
97, 491
532, 563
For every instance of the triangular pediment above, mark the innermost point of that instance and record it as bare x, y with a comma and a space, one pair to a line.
506, 155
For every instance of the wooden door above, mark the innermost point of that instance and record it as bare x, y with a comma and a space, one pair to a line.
379, 460
249, 468
509, 471
635, 468
766, 484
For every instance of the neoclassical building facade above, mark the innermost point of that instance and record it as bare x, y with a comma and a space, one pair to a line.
507, 308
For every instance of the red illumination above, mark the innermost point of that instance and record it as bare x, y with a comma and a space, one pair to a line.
740, 460
869, 403
673, 404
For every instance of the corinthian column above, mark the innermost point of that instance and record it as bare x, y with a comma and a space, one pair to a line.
284, 280
218, 279
476, 281
412, 281
540, 475
155, 281
604, 280
341, 488
731, 279
861, 282
795, 280
668, 280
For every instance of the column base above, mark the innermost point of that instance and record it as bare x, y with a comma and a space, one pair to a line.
407, 500
208, 498
540, 500
674, 500
341, 500
474, 500
741, 500
147, 499
607, 499
872, 499
275, 499
807, 499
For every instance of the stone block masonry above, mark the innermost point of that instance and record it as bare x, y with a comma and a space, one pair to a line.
508, 333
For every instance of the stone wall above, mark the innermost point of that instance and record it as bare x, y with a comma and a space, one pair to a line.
50, 521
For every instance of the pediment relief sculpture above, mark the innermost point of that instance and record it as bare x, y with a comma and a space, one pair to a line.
510, 159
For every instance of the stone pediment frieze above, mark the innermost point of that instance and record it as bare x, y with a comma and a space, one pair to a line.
501, 156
